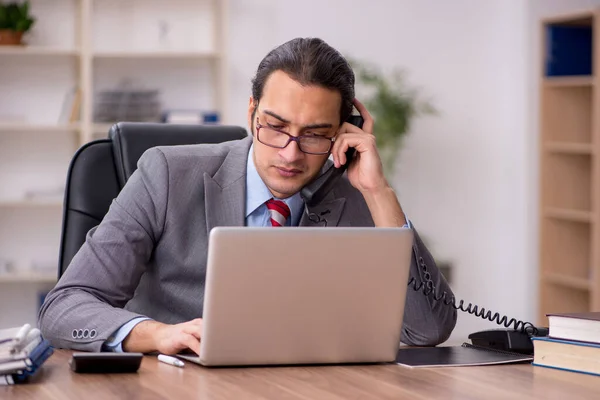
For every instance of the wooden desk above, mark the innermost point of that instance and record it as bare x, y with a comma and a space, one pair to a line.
157, 380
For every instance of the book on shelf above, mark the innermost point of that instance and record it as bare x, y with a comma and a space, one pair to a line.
71, 106
568, 50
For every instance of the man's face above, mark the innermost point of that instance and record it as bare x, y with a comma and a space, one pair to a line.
298, 110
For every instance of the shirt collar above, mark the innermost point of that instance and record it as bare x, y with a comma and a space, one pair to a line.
257, 192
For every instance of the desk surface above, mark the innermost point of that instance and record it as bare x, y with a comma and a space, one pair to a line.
157, 380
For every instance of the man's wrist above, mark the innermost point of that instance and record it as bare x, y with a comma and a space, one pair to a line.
142, 337
378, 193
384, 207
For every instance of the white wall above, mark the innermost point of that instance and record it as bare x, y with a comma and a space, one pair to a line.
468, 177
460, 178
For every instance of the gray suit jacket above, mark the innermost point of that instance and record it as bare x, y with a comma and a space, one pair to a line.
148, 256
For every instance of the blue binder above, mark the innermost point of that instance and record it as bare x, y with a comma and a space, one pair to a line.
568, 50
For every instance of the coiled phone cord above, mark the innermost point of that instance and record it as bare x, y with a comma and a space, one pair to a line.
427, 287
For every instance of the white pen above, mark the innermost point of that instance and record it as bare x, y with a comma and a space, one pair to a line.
171, 360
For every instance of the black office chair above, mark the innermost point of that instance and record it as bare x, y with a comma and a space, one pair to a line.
100, 169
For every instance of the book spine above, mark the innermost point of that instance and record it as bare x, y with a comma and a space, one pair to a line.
25, 375
48, 351
564, 369
38, 351
14, 366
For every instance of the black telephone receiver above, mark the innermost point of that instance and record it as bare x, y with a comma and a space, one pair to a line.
314, 192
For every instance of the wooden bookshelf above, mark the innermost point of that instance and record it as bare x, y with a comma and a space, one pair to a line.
50, 86
569, 269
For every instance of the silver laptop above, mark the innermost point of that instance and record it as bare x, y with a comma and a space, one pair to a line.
282, 296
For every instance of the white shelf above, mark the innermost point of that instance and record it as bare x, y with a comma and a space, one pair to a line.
30, 203
192, 55
41, 128
28, 277
37, 51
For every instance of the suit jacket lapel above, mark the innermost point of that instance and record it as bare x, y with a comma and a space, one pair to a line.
225, 192
327, 213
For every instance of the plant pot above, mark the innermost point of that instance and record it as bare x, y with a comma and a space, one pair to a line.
10, 38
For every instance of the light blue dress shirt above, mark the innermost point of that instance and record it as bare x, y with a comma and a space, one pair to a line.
257, 214
257, 193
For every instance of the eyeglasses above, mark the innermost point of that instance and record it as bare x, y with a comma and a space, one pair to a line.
309, 144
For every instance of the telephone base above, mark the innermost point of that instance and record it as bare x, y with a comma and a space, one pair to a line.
506, 339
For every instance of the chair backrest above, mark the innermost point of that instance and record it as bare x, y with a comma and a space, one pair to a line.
100, 169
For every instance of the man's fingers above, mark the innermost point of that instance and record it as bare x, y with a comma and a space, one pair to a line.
194, 330
339, 148
191, 342
348, 127
360, 142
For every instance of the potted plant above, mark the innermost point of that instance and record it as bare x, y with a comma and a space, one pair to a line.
393, 105
15, 20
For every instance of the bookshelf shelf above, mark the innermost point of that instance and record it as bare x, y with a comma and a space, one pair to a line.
568, 148
192, 55
38, 51
569, 246
583, 18
30, 203
569, 215
568, 81
41, 128
28, 277
567, 281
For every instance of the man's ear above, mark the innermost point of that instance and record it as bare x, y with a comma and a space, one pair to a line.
252, 107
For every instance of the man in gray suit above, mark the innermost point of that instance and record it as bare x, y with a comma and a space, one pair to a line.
137, 283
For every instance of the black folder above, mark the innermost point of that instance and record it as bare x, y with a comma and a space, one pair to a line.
456, 356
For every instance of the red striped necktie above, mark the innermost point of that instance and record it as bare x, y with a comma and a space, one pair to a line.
279, 212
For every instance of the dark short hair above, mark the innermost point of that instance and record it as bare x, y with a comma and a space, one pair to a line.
309, 61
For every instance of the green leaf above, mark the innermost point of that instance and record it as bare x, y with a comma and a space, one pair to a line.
25, 9
4, 24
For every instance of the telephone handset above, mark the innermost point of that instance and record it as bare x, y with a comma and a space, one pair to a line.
315, 192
